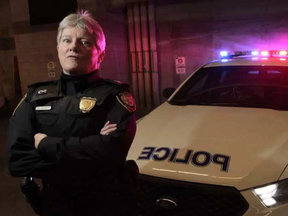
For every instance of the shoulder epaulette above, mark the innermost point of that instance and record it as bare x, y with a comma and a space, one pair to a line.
42, 90
35, 85
115, 82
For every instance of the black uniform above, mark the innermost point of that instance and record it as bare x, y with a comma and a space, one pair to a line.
83, 172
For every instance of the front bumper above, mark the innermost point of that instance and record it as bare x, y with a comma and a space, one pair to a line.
165, 197
176, 198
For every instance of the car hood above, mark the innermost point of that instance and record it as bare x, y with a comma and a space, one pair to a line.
240, 147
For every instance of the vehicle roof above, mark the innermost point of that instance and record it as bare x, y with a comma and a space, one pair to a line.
249, 61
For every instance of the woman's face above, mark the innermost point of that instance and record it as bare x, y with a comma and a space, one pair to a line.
77, 51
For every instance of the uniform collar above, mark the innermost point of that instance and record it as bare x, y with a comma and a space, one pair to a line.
75, 84
88, 78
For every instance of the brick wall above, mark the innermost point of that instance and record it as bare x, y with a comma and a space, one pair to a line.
7, 51
35, 45
114, 24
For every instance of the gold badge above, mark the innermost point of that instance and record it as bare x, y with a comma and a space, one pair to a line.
126, 99
86, 104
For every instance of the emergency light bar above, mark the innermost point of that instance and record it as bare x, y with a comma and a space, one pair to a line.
264, 53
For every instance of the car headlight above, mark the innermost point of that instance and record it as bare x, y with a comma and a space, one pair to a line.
273, 195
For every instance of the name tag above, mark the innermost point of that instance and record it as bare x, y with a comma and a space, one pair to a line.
43, 108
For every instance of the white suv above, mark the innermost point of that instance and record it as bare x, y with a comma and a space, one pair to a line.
219, 144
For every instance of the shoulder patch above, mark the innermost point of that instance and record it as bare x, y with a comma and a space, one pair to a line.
19, 104
126, 100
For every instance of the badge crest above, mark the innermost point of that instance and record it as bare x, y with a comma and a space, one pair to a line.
126, 99
86, 104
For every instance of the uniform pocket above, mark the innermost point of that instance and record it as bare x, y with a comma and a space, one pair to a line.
47, 118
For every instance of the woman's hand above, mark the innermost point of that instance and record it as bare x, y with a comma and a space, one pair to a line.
37, 139
108, 128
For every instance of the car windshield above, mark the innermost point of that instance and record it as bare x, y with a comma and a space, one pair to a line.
238, 86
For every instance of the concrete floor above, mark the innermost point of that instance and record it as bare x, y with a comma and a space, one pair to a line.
11, 201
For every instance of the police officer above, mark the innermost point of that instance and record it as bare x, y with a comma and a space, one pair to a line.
74, 133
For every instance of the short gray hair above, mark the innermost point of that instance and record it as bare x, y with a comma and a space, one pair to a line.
83, 19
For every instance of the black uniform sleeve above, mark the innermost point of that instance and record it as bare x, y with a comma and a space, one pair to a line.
23, 159
112, 148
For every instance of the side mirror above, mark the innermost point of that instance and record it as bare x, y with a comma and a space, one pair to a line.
168, 92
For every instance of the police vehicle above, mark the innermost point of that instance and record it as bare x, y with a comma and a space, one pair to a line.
219, 144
